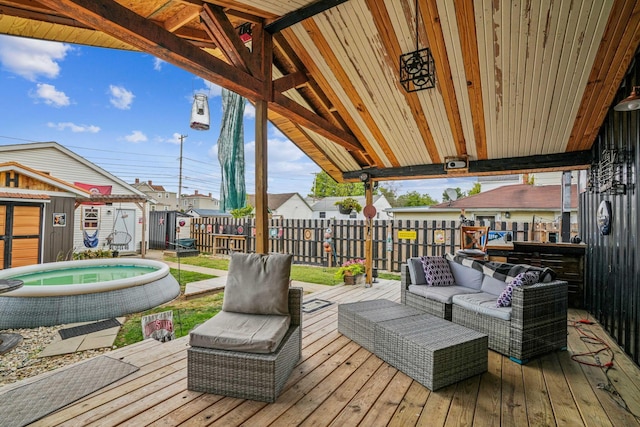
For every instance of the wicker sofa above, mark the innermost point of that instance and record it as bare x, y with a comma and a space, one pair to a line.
534, 324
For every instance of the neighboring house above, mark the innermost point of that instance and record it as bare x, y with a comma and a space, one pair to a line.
54, 202
326, 208
164, 200
512, 203
538, 178
285, 206
198, 201
202, 213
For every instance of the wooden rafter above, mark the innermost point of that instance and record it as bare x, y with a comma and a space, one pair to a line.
218, 26
307, 118
391, 45
466, 21
323, 46
186, 15
429, 12
327, 90
611, 64
112, 18
301, 14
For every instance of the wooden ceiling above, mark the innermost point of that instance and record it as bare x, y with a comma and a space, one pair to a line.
520, 85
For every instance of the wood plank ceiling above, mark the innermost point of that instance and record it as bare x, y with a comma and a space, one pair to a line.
520, 85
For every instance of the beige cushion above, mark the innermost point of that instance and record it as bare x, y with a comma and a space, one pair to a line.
251, 333
258, 284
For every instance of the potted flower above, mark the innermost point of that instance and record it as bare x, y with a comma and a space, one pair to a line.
345, 206
351, 272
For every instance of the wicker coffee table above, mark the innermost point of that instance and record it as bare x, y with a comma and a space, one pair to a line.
431, 350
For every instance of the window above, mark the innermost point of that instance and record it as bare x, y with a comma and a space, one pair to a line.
153, 207
159, 195
322, 214
90, 218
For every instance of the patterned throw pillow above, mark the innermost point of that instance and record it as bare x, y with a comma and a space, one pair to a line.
527, 278
437, 271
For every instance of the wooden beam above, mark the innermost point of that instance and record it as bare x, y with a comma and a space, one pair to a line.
112, 18
465, 18
610, 65
391, 45
301, 14
542, 162
431, 20
344, 81
226, 37
263, 47
297, 113
289, 81
186, 15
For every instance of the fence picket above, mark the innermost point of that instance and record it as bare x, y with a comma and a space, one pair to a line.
288, 236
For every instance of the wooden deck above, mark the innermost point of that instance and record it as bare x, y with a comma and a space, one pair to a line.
339, 383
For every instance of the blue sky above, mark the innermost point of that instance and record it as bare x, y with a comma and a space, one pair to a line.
125, 111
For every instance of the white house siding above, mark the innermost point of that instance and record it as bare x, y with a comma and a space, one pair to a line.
294, 208
72, 168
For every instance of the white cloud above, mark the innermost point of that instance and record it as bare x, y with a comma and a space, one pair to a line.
212, 90
31, 58
136, 136
74, 127
121, 98
249, 111
50, 95
158, 63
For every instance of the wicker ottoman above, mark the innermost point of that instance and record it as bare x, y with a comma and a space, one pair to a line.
357, 320
431, 350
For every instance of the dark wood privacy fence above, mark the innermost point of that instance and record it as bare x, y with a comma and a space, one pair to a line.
393, 241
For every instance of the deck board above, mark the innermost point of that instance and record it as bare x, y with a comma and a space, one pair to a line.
339, 383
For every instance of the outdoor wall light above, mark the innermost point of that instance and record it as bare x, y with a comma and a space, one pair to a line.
507, 214
630, 103
364, 177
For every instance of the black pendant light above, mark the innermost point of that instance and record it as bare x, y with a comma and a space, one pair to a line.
417, 69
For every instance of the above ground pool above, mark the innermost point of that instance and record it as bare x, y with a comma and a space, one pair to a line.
78, 291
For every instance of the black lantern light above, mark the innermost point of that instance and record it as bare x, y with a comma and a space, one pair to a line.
417, 69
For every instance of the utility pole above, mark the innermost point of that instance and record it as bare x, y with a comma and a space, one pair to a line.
182, 137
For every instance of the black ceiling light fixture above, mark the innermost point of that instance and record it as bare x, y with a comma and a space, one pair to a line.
630, 103
417, 69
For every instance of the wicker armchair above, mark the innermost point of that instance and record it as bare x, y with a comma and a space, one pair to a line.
247, 373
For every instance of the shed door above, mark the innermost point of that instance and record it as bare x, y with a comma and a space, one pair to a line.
20, 227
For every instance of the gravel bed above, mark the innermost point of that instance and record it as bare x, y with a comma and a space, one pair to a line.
23, 361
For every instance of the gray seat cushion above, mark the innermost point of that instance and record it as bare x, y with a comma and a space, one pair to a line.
258, 284
483, 303
442, 294
251, 333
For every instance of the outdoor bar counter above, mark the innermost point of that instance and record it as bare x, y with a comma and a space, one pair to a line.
566, 259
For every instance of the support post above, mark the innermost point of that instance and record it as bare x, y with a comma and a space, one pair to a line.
262, 51
368, 247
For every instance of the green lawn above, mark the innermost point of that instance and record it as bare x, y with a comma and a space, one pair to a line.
189, 313
303, 273
186, 313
